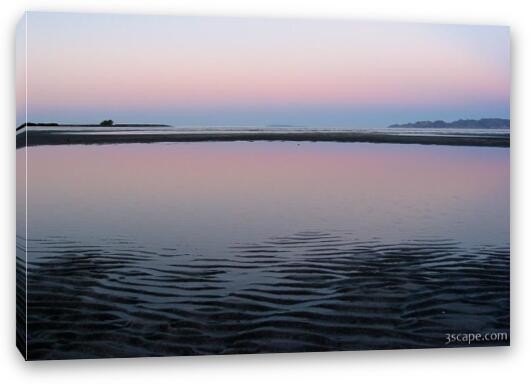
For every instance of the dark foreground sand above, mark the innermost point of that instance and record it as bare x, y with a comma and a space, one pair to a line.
303, 292
60, 137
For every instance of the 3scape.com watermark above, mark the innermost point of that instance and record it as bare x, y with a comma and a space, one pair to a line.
470, 337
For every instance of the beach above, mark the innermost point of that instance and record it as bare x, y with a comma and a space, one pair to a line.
61, 137
199, 248
223, 185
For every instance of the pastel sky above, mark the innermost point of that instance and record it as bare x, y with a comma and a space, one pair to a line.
238, 71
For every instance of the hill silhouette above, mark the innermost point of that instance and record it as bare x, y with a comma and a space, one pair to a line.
461, 123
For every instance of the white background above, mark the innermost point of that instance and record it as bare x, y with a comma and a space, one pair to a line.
485, 365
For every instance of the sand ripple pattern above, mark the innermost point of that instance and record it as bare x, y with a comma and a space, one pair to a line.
310, 291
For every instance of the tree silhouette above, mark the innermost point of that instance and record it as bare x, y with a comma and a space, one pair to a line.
107, 123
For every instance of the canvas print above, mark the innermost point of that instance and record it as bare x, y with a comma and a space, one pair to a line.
222, 185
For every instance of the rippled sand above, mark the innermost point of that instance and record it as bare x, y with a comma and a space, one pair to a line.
308, 291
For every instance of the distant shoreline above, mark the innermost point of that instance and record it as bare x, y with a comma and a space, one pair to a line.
485, 123
52, 137
89, 125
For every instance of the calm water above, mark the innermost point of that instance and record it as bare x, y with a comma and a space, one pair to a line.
198, 248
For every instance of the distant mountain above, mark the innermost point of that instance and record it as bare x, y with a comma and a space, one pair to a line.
462, 123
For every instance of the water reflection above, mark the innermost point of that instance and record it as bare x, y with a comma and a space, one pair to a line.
234, 191
198, 248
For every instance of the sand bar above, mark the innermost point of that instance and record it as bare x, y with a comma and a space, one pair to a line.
51, 137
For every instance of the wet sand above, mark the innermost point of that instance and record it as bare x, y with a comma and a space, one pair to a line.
51, 137
304, 292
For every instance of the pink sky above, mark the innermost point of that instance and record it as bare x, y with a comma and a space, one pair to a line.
84, 67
